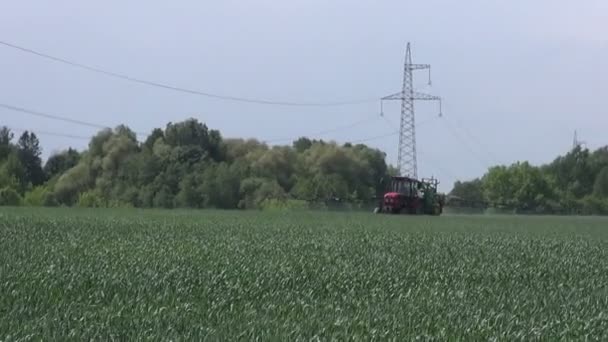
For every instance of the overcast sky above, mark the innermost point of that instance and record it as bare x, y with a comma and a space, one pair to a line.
517, 77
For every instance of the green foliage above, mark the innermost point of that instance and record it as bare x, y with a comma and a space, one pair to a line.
163, 199
284, 204
277, 163
189, 195
13, 173
50, 200
20, 164
591, 205
188, 165
576, 183
257, 192
38, 196
600, 188
7, 178
6, 138
195, 134
220, 186
157, 134
574, 172
468, 194
61, 162
90, 199
9, 197
302, 144
28, 152
114, 203
72, 183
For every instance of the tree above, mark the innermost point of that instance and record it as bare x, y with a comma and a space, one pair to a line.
193, 133
573, 173
38, 196
374, 171
238, 149
91, 199
520, 186
148, 166
28, 151
600, 188
61, 162
277, 164
220, 186
592, 205
186, 164
163, 199
189, 195
471, 192
499, 186
254, 192
13, 173
302, 144
7, 179
6, 137
156, 134
73, 182
532, 188
9, 197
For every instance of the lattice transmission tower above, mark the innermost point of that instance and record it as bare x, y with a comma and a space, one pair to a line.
407, 159
576, 142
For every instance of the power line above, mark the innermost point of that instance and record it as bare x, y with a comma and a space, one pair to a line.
392, 125
436, 165
476, 141
482, 161
180, 89
331, 130
57, 117
51, 116
426, 158
54, 134
39, 132
457, 136
374, 138
94, 125
457, 125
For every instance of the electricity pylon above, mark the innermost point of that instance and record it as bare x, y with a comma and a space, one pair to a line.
576, 142
407, 159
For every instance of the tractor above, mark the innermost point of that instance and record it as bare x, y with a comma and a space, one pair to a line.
411, 196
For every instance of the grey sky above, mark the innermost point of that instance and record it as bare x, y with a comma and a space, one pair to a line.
519, 75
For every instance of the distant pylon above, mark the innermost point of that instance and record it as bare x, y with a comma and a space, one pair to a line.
575, 142
407, 159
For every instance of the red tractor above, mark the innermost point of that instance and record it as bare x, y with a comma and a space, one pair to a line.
411, 196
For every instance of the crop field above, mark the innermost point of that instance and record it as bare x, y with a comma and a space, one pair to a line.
68, 274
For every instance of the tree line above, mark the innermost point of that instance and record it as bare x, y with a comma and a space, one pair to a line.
575, 183
188, 165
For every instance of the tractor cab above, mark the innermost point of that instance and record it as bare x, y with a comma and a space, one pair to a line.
407, 195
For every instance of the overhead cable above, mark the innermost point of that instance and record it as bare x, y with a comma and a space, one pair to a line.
56, 117
181, 89
95, 125
324, 132
54, 134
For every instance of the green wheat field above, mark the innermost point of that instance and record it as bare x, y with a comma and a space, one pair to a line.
72, 274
